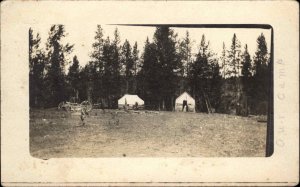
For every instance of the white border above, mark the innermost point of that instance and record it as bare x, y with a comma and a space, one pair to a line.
18, 166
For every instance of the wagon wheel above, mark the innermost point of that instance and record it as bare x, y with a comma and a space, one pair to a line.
87, 105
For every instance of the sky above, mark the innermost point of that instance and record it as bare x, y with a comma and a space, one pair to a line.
83, 36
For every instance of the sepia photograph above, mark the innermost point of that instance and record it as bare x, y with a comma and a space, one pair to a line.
149, 93
149, 90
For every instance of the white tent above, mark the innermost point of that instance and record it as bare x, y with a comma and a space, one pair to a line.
185, 97
130, 100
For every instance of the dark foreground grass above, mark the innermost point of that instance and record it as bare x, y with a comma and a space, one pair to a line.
146, 134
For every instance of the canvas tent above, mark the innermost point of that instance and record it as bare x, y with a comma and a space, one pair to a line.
183, 99
130, 101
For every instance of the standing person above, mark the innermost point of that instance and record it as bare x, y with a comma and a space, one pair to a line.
82, 116
184, 105
136, 106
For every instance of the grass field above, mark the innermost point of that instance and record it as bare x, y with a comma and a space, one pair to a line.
117, 133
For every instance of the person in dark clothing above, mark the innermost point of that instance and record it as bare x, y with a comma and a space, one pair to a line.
136, 106
184, 104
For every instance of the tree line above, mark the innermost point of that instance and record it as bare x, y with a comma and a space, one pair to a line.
233, 82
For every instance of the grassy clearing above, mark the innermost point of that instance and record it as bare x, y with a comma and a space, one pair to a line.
172, 134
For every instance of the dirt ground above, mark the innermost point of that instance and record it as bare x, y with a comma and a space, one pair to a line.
115, 133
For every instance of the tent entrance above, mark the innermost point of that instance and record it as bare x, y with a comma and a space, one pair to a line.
185, 106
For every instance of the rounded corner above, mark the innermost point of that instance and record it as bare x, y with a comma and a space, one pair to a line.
270, 155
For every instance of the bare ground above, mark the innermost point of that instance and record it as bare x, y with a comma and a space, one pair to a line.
146, 134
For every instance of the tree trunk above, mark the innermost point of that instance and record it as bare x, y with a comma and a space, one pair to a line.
159, 104
134, 85
127, 85
35, 101
163, 104
172, 103
77, 95
89, 98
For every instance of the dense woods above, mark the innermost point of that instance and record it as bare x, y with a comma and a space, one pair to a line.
233, 82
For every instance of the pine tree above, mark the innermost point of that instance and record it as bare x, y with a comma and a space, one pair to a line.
116, 67
97, 52
56, 62
234, 58
37, 61
246, 70
116, 49
169, 61
128, 65
185, 51
201, 75
216, 86
112, 70
224, 61
34, 44
234, 71
261, 75
261, 55
185, 56
148, 77
97, 65
73, 78
135, 58
136, 66
86, 82
107, 77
